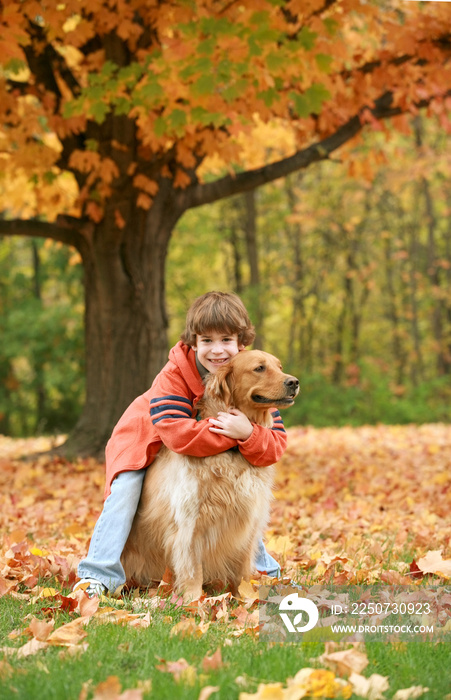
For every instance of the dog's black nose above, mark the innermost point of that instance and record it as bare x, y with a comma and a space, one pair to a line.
292, 383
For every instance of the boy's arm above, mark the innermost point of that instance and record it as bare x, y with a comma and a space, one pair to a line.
171, 414
265, 446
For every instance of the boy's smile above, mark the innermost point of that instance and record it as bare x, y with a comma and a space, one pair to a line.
216, 349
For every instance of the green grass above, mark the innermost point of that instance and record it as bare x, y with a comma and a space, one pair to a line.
133, 655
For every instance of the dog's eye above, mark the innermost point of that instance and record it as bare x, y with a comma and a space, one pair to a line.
260, 368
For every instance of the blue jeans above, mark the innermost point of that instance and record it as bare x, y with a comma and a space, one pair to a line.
112, 529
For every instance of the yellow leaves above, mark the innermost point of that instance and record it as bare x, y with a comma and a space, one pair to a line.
307, 683
247, 591
94, 211
181, 670
266, 691
43, 635
38, 552
181, 179
142, 182
371, 688
433, 563
144, 201
326, 537
110, 689
47, 592
217, 76
187, 674
92, 162
71, 635
255, 145
12, 33
213, 662
207, 691
149, 190
354, 476
111, 615
187, 627
101, 173
119, 219
280, 545
415, 691
84, 161
346, 661
326, 684
40, 629
318, 683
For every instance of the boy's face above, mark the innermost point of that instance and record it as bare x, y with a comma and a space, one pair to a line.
216, 349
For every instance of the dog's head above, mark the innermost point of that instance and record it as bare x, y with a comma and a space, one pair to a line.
253, 381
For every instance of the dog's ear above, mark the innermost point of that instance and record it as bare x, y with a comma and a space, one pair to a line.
220, 384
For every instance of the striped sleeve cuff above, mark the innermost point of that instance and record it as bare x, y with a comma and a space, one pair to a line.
170, 406
278, 422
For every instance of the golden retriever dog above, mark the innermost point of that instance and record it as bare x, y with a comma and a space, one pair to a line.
203, 516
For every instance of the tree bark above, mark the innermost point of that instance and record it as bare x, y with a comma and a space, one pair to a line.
399, 354
41, 397
254, 289
417, 365
296, 342
125, 318
236, 275
433, 270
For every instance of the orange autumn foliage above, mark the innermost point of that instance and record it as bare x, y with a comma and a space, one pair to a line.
196, 77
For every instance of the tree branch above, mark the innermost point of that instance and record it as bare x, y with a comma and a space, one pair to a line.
67, 230
198, 194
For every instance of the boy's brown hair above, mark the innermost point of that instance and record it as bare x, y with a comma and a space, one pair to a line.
221, 312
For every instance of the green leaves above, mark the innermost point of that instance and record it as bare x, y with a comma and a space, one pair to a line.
310, 101
15, 66
306, 37
202, 67
204, 85
323, 62
317, 94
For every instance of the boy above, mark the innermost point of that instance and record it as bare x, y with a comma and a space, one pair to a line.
217, 328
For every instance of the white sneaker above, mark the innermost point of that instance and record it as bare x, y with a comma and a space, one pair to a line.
91, 587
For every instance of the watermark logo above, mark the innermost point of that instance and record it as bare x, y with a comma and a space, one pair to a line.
303, 606
355, 612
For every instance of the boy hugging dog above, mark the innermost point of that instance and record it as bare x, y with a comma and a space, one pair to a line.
217, 328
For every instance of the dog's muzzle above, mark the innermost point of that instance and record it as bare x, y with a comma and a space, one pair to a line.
291, 386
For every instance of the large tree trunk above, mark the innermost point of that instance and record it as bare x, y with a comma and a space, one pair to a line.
125, 318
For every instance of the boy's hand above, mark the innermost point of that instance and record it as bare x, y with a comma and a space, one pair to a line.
233, 424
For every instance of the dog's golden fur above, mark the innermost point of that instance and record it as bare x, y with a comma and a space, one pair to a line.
203, 517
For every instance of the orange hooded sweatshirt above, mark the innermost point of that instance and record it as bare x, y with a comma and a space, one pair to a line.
165, 414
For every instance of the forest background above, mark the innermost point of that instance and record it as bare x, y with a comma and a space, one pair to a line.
346, 271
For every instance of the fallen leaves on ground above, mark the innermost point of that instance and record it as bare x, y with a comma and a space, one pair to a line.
350, 504
325, 683
345, 661
72, 633
110, 689
353, 505
433, 563
357, 505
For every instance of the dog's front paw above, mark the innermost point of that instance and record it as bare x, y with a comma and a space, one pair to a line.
191, 593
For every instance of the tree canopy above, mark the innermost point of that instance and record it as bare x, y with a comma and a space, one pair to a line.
111, 112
